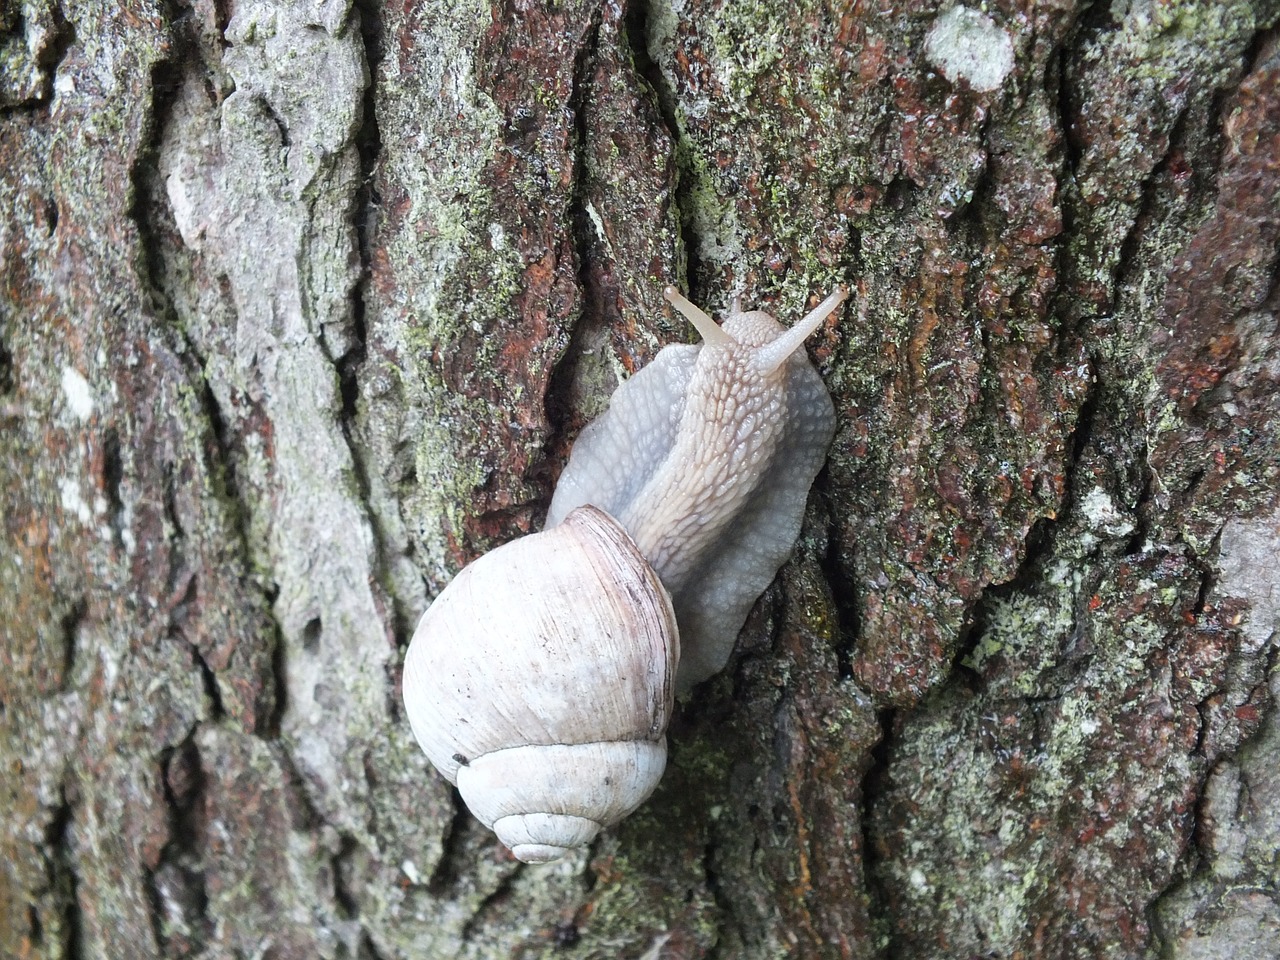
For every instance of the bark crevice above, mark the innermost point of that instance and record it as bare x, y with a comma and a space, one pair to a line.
641, 35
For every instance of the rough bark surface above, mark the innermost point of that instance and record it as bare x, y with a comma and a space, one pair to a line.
304, 302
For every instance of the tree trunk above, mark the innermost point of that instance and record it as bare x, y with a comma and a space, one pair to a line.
304, 303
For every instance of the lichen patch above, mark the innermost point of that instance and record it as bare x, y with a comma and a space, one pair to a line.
964, 44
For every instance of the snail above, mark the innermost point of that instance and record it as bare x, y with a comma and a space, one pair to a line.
542, 678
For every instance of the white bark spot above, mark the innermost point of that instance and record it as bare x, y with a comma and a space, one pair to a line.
1247, 560
187, 213
964, 44
1102, 514
72, 501
78, 393
598, 223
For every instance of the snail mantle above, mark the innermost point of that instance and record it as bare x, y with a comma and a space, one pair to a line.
542, 679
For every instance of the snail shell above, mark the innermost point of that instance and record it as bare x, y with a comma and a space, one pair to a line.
541, 682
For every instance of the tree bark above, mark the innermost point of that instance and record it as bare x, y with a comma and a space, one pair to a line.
304, 303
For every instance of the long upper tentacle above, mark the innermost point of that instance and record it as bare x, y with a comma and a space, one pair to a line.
775, 354
710, 331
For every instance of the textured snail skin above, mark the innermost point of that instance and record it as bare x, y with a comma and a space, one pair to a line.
706, 457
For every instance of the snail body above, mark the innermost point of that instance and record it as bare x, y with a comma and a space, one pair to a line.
706, 457
542, 679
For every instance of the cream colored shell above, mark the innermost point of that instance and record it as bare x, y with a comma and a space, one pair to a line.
541, 682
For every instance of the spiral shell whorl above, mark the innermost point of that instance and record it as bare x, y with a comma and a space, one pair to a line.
558, 797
